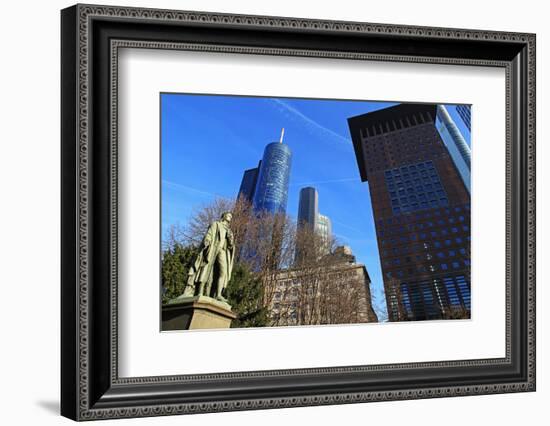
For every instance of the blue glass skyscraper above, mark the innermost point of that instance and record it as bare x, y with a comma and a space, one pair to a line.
248, 184
456, 145
271, 192
465, 113
266, 187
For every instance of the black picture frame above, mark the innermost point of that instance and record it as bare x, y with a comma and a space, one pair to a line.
90, 386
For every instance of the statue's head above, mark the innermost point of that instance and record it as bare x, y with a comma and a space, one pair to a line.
227, 216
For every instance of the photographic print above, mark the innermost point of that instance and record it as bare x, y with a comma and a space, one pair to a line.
215, 195
308, 212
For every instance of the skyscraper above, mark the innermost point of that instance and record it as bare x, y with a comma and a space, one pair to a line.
248, 184
456, 145
465, 112
266, 186
308, 207
421, 209
272, 187
308, 215
323, 228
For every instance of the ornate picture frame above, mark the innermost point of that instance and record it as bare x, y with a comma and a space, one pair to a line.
91, 37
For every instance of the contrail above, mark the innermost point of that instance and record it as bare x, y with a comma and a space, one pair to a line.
312, 123
190, 188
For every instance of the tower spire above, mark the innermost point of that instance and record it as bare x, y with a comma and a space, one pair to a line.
282, 135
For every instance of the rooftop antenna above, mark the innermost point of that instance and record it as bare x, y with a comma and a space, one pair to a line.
282, 135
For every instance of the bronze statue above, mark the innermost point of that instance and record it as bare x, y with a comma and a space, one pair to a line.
212, 268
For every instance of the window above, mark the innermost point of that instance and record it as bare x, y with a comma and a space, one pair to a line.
456, 265
411, 194
444, 266
451, 292
464, 287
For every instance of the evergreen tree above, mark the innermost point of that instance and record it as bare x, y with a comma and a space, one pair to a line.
244, 293
176, 261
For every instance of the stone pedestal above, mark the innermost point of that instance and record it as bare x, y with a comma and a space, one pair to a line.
198, 312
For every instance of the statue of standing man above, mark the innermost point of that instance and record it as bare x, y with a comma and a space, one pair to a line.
212, 268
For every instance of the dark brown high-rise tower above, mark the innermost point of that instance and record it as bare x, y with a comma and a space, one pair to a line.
421, 209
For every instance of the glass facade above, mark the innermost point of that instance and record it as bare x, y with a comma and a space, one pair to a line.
324, 229
465, 112
308, 207
427, 299
308, 215
415, 187
272, 187
456, 145
248, 183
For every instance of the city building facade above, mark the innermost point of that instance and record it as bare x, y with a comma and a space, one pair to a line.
458, 149
465, 112
335, 290
421, 209
308, 215
323, 227
308, 207
248, 183
271, 192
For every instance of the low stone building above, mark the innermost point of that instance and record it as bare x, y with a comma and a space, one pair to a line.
333, 290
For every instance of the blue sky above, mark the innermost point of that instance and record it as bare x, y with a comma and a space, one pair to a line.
208, 141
